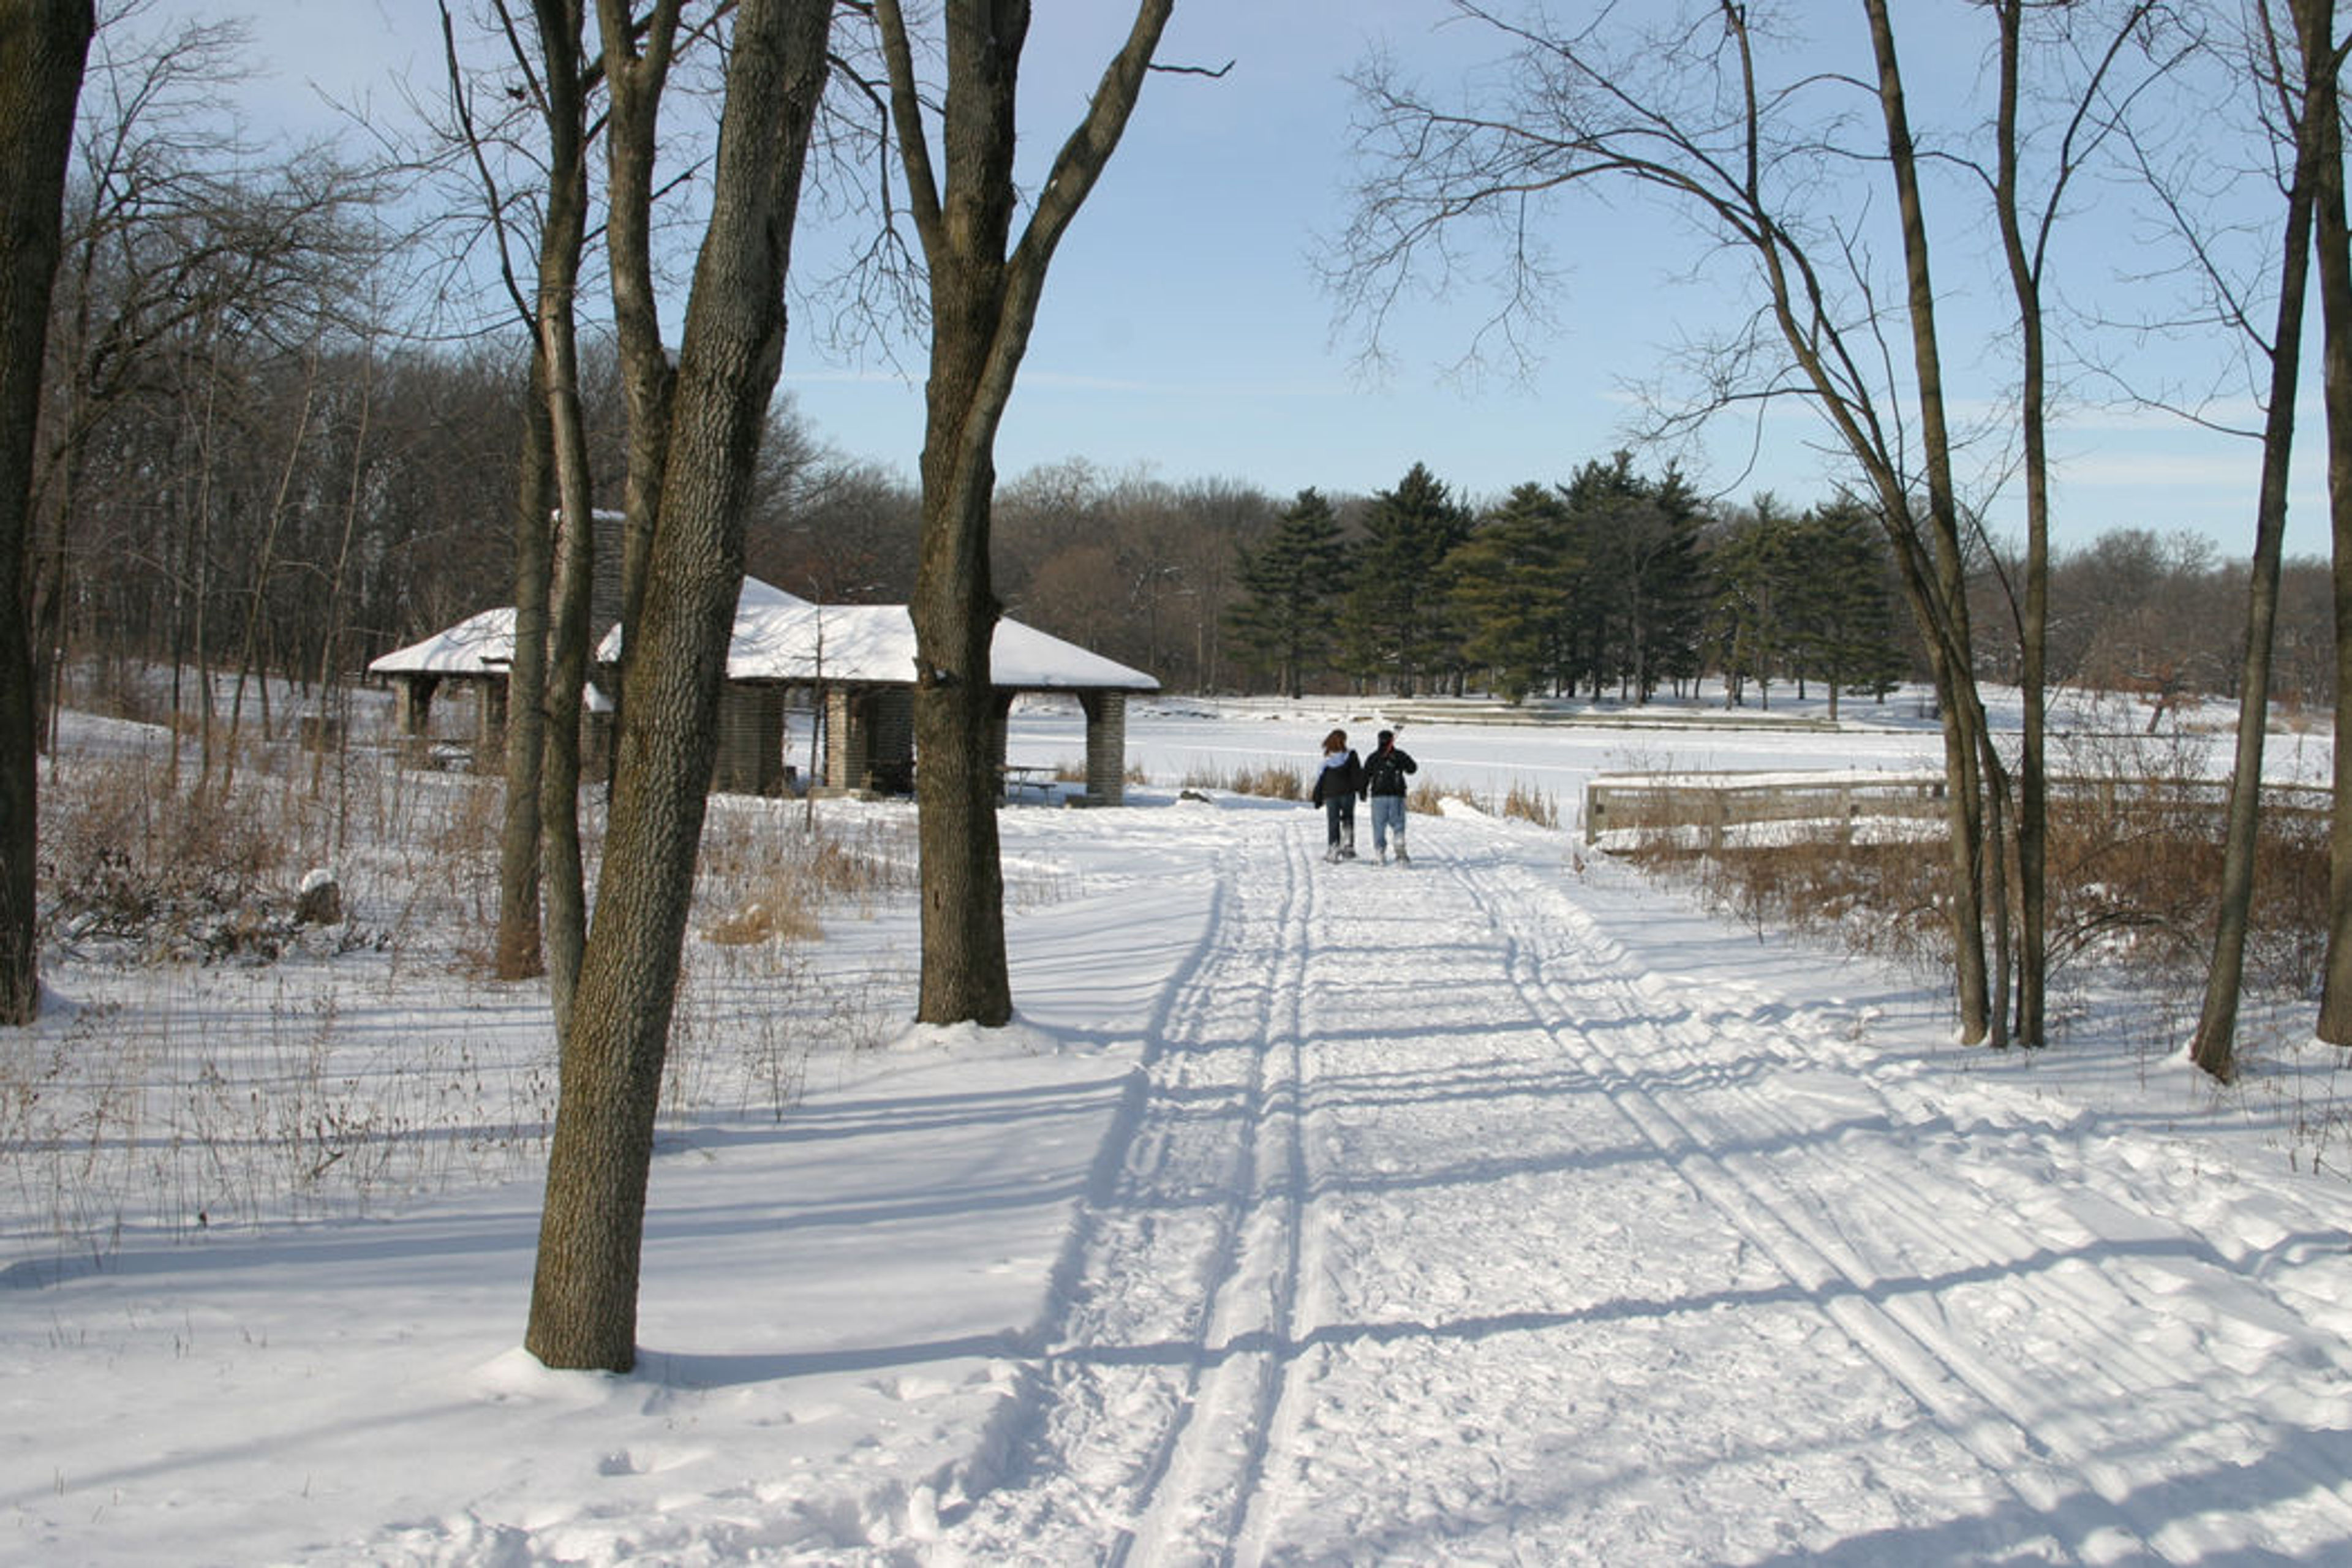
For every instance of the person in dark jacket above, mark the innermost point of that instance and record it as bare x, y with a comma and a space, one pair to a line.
1337, 787
1384, 773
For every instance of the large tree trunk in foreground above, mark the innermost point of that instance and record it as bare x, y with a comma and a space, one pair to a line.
983, 305
584, 1304
43, 46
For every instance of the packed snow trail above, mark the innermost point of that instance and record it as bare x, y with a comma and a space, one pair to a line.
1446, 1229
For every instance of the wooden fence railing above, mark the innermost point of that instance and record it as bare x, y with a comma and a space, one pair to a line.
1622, 804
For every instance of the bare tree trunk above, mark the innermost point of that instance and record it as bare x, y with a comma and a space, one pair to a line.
519, 950
567, 681
1995, 894
2025, 284
200, 533
2335, 268
42, 44
1931, 574
985, 303
635, 79
555, 340
585, 1293
330, 701
2214, 1044
1950, 580
250, 663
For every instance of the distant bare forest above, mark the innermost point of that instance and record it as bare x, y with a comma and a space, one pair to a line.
296, 500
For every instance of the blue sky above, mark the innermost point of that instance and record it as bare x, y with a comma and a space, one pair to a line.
1185, 334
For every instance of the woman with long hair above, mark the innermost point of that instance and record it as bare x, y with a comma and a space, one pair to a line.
1337, 786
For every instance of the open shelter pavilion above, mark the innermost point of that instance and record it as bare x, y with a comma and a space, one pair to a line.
475, 655
854, 666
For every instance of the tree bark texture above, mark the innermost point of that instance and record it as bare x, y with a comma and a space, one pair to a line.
585, 1293
2025, 283
1964, 719
517, 952
2214, 1046
2333, 234
575, 556
985, 301
543, 481
43, 47
636, 70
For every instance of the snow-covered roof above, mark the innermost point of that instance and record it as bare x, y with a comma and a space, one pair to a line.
479, 645
783, 638
875, 645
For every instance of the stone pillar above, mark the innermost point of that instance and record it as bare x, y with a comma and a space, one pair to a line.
890, 720
608, 545
845, 744
869, 740
751, 741
412, 704
1106, 746
490, 725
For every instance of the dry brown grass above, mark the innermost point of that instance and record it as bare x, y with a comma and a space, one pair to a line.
1531, 804
2131, 882
1270, 781
1275, 782
130, 860
765, 875
759, 921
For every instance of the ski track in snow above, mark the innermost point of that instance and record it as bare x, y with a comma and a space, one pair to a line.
1318, 1314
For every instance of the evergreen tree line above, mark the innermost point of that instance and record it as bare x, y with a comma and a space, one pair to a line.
1614, 584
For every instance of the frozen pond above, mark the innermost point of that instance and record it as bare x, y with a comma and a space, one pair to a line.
1177, 740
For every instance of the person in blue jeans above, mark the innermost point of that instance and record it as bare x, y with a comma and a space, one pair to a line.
1384, 773
1337, 786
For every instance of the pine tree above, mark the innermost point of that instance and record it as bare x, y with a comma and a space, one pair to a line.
1749, 569
1511, 582
1400, 617
1670, 593
1291, 584
1842, 606
1640, 608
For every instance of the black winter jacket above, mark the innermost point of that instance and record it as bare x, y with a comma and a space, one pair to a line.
1347, 778
1384, 771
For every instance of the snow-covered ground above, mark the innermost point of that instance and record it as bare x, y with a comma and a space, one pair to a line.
1502, 1209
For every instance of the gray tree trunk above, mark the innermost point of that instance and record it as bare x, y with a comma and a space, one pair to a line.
583, 1303
543, 745
2025, 284
2214, 1046
635, 79
43, 47
2335, 268
567, 674
1964, 719
573, 565
516, 953
984, 303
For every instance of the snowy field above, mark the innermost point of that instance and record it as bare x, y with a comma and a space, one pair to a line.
1507, 1209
